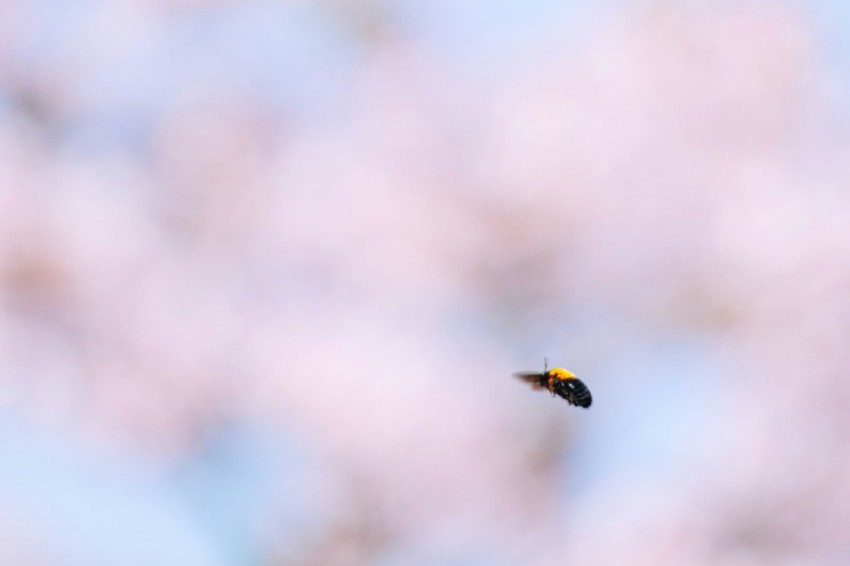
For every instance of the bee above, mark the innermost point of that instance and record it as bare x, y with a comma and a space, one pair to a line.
559, 382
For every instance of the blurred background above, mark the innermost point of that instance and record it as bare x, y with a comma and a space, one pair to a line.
266, 268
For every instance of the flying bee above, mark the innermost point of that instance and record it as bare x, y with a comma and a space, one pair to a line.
559, 382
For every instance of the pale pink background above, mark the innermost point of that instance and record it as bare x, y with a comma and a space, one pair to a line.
266, 269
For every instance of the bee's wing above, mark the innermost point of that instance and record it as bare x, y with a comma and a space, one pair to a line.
536, 380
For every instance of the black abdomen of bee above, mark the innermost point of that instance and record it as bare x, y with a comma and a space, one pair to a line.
574, 391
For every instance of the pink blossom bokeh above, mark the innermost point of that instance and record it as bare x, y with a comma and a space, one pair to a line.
266, 269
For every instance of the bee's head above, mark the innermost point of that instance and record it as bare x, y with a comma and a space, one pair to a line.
561, 373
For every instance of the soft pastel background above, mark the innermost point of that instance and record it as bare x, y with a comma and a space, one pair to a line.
266, 268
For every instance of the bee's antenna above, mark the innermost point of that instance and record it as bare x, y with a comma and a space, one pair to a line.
545, 365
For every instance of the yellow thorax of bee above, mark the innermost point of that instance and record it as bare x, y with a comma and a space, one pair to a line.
561, 374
